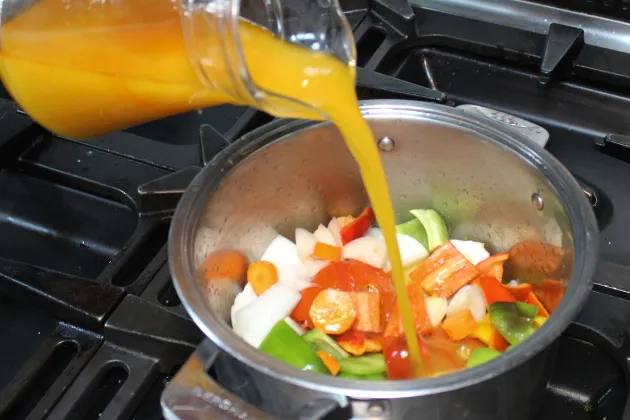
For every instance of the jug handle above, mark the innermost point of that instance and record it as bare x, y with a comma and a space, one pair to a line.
194, 395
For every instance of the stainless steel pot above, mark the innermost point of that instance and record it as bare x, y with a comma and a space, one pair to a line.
489, 182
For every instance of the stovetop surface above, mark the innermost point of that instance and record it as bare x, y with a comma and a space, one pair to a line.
91, 325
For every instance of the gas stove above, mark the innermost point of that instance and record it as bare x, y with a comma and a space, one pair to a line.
91, 323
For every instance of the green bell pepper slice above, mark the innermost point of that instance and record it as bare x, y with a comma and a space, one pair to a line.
512, 321
482, 355
371, 377
434, 226
414, 229
319, 340
369, 364
285, 344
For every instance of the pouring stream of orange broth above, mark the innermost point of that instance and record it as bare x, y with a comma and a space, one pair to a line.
98, 62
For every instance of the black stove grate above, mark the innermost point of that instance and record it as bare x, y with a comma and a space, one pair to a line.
86, 300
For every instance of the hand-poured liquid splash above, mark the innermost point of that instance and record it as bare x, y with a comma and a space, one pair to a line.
96, 67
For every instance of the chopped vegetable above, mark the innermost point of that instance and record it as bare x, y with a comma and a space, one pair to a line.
489, 335
358, 227
333, 311
368, 307
296, 327
254, 321
418, 309
321, 341
322, 234
460, 325
243, 299
368, 364
414, 229
539, 321
520, 292
475, 252
533, 300
513, 325
345, 220
372, 377
326, 252
285, 344
304, 242
525, 309
224, 264
480, 356
335, 230
444, 272
262, 275
550, 293
493, 265
436, 309
434, 226
468, 297
358, 343
411, 252
494, 291
281, 251
369, 250
331, 363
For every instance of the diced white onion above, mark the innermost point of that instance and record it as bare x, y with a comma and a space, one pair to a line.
475, 252
368, 249
468, 297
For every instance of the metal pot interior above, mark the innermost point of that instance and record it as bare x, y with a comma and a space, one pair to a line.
487, 183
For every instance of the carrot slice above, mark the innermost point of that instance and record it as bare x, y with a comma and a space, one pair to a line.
333, 311
550, 293
493, 265
331, 363
326, 252
494, 291
520, 292
224, 264
418, 310
262, 275
459, 325
444, 272
533, 300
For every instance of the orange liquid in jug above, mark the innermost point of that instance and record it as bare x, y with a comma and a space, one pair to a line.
83, 68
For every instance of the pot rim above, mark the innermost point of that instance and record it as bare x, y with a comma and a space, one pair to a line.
579, 212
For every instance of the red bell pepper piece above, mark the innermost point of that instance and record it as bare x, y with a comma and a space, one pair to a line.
444, 272
520, 292
358, 227
493, 265
550, 293
418, 309
494, 291
533, 300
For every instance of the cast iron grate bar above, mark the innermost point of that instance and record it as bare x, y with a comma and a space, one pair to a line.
49, 372
110, 386
397, 14
65, 296
373, 85
562, 47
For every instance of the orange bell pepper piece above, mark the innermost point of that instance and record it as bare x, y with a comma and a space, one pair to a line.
533, 300
550, 293
326, 252
331, 363
459, 325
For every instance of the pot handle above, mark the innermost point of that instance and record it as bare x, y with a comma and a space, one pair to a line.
193, 395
